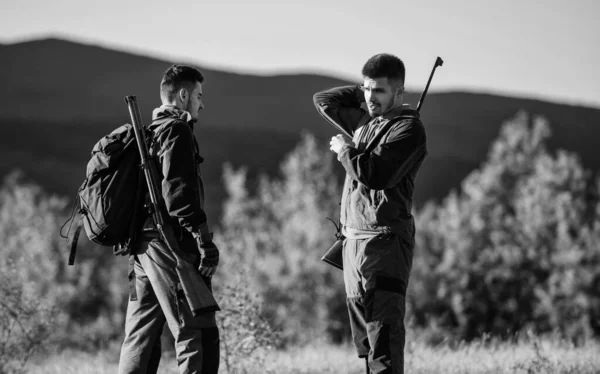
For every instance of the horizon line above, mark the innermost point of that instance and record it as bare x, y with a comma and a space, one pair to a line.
279, 72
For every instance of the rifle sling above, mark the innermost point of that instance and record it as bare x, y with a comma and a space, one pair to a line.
73, 249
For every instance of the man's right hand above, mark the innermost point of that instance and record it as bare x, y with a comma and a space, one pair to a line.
209, 256
338, 142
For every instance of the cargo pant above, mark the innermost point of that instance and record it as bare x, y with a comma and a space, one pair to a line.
159, 300
376, 272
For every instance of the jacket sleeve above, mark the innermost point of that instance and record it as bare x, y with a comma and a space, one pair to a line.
180, 188
341, 107
388, 163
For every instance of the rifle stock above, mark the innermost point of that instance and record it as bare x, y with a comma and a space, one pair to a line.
196, 290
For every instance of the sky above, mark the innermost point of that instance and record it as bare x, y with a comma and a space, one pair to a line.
548, 50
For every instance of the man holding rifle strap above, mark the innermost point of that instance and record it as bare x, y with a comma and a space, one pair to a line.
157, 285
376, 204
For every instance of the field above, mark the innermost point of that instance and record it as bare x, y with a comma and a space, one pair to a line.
534, 356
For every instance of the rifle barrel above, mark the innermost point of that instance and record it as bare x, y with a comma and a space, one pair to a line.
438, 62
140, 137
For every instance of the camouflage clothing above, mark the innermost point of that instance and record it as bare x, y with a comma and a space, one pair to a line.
182, 187
160, 299
377, 222
158, 293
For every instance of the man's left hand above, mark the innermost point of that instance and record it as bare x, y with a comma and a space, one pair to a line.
338, 142
209, 256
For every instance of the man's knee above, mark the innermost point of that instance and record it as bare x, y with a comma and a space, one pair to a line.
385, 300
384, 313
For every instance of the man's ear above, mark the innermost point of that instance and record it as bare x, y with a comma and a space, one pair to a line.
183, 94
400, 90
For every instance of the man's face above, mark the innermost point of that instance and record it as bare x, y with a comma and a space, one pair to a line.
381, 95
194, 102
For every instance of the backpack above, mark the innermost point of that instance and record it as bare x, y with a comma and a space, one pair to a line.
109, 199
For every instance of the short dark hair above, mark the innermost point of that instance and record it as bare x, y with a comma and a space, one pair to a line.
178, 76
384, 65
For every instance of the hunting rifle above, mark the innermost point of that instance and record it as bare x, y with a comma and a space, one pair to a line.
195, 287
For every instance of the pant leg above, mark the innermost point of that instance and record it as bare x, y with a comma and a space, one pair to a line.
355, 296
155, 357
196, 337
376, 273
140, 352
385, 268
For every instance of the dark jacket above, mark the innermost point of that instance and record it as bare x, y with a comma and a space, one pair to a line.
176, 149
378, 189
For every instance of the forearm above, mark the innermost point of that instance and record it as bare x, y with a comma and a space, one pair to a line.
182, 200
363, 168
340, 106
383, 167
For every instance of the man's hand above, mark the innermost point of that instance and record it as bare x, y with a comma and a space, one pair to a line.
209, 256
338, 142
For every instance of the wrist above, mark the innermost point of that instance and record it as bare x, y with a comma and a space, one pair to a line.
342, 150
204, 238
201, 231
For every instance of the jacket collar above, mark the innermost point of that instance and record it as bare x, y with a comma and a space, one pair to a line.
171, 111
403, 110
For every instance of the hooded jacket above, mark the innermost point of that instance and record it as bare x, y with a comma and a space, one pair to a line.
379, 183
176, 149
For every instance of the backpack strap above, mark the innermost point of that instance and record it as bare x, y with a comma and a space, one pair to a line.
74, 240
76, 215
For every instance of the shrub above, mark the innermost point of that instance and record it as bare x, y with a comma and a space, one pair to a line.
515, 248
281, 232
88, 297
246, 335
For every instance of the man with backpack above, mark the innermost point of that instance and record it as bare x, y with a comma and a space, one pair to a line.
157, 293
381, 160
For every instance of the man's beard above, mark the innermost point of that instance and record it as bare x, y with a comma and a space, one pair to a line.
390, 106
382, 111
189, 110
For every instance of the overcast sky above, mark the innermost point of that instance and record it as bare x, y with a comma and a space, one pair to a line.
542, 49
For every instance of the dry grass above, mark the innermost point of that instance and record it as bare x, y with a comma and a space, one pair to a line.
534, 356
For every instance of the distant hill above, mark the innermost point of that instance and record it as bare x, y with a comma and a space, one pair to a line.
59, 97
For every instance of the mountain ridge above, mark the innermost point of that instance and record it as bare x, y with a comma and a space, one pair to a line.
64, 38
59, 97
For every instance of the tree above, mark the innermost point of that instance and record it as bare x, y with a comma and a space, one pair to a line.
516, 247
280, 234
88, 296
25, 319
